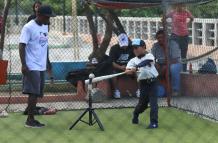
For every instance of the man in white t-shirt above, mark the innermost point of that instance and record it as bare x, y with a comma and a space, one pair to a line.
33, 49
143, 65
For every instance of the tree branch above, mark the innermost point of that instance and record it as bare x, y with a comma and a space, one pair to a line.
115, 29
92, 27
107, 35
5, 15
117, 21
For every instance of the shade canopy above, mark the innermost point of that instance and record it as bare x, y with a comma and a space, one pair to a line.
130, 4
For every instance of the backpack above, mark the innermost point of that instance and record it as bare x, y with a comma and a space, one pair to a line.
208, 68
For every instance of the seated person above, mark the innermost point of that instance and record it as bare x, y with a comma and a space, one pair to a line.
99, 67
120, 55
159, 52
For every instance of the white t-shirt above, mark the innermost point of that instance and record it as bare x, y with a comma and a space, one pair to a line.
145, 72
36, 39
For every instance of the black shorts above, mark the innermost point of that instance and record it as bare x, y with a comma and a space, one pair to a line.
33, 83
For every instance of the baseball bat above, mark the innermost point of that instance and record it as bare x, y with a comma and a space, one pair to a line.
100, 78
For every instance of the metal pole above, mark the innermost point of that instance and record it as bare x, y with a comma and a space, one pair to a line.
16, 11
91, 77
64, 21
96, 21
165, 5
75, 31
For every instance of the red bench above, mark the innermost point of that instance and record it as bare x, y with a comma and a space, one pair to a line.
127, 87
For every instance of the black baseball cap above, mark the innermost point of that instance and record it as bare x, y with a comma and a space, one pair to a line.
46, 10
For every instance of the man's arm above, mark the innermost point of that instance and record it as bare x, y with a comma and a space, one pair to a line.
119, 67
190, 16
145, 63
130, 71
24, 67
24, 39
49, 67
131, 67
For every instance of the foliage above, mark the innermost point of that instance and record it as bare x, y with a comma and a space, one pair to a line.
1, 6
209, 10
58, 6
202, 11
25, 6
145, 12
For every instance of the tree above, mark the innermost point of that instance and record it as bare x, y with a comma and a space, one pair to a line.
98, 49
203, 11
5, 15
1, 6
209, 10
113, 24
146, 12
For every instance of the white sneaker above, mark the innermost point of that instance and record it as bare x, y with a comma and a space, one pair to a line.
3, 114
117, 94
137, 93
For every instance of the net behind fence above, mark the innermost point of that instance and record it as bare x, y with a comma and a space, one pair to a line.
80, 41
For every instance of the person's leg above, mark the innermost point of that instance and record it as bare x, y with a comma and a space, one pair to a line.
182, 41
42, 83
116, 92
142, 103
154, 106
33, 85
161, 91
31, 106
175, 70
183, 44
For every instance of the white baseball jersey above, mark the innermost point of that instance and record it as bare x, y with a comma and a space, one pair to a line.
145, 72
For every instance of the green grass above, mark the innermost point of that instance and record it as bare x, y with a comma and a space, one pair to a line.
58, 86
175, 127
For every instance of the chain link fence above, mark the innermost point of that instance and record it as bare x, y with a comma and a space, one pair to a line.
193, 111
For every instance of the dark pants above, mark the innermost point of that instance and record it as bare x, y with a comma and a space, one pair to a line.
148, 95
183, 45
